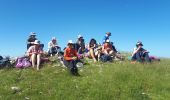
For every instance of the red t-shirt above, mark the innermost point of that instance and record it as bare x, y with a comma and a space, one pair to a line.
108, 47
69, 53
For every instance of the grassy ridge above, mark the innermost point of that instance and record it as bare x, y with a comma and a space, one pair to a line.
109, 81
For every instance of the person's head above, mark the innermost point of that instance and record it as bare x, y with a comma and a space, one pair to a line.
139, 43
54, 39
80, 36
108, 33
92, 41
33, 34
70, 44
107, 42
37, 43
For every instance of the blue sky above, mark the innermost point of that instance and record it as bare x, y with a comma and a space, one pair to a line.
127, 20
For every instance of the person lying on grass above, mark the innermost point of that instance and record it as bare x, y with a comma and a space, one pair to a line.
71, 58
34, 53
140, 54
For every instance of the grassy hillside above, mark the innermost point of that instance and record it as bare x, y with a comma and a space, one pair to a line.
101, 81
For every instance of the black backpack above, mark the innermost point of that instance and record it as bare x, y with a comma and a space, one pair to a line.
5, 62
105, 58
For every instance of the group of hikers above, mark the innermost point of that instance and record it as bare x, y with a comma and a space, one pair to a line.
74, 52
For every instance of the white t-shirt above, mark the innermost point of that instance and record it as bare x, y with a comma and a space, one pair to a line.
51, 44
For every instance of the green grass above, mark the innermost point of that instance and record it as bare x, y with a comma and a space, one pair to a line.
101, 81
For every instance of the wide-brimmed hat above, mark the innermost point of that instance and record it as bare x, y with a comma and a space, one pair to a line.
139, 43
32, 33
36, 42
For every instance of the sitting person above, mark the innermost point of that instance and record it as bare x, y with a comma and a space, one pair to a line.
35, 52
140, 54
80, 42
99, 52
108, 48
71, 58
31, 39
92, 50
53, 47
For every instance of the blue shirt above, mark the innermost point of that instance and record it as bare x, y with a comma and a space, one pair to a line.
106, 37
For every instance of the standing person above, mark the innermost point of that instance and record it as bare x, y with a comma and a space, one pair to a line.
139, 53
70, 58
31, 39
106, 37
92, 49
53, 47
35, 52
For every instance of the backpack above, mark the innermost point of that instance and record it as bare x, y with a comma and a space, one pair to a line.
23, 63
5, 62
105, 58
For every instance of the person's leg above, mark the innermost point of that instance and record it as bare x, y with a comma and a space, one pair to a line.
92, 55
138, 57
146, 57
134, 57
58, 49
105, 52
38, 61
72, 66
111, 53
50, 51
33, 58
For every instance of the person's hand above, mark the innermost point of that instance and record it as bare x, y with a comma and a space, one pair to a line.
32, 42
74, 58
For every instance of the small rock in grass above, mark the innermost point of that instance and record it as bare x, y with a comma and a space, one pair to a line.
26, 98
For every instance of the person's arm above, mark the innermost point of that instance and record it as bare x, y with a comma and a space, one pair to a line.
136, 50
28, 41
29, 51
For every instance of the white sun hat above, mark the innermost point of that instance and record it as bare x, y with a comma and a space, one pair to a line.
36, 42
53, 38
70, 42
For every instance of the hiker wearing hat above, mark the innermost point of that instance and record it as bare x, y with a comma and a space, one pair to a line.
53, 47
108, 48
71, 58
35, 52
106, 37
140, 54
31, 39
